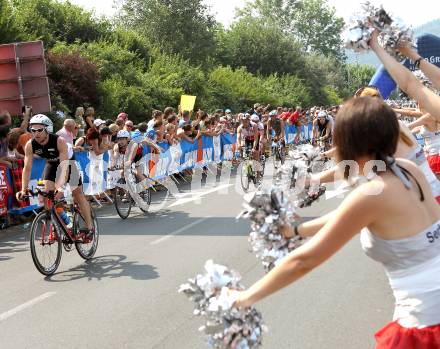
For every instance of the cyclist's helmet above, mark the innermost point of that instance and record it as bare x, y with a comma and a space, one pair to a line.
255, 118
273, 113
246, 116
41, 119
123, 134
322, 115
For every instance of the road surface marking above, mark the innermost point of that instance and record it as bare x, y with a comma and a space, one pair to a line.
26, 305
178, 231
198, 196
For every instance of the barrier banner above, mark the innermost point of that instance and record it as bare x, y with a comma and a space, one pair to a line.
5, 190
227, 143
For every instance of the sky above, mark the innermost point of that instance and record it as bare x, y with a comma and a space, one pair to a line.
412, 13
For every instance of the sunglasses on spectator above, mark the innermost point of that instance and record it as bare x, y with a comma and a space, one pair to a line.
35, 130
129, 126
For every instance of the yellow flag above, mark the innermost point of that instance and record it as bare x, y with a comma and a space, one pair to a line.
187, 102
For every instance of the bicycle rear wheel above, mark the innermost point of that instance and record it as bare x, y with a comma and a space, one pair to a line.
86, 247
122, 201
276, 157
45, 244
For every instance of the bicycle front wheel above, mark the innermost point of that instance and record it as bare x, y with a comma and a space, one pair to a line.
122, 201
244, 175
45, 244
86, 247
145, 196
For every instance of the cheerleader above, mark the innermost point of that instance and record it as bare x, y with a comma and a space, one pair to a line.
400, 223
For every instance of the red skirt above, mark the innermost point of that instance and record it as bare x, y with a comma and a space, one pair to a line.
394, 336
434, 163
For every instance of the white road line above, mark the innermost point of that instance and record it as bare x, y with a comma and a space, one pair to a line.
178, 231
198, 196
26, 305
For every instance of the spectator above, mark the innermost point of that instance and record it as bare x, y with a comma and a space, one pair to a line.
172, 119
157, 116
122, 116
120, 123
89, 117
168, 112
94, 141
69, 131
187, 133
13, 143
106, 136
128, 126
143, 127
294, 117
5, 122
108, 122
170, 135
186, 119
228, 114
114, 130
99, 124
152, 133
79, 120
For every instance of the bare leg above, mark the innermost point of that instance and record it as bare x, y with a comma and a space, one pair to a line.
80, 199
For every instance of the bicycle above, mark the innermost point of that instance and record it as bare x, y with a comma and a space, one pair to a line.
248, 173
50, 232
278, 153
122, 198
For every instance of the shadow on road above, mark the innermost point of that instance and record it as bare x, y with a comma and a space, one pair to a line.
107, 267
12, 246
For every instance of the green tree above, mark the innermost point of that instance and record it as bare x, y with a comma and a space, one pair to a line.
8, 29
260, 47
184, 27
313, 22
356, 76
53, 21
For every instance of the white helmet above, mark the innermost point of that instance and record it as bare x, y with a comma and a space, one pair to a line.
255, 118
123, 134
41, 119
273, 113
322, 114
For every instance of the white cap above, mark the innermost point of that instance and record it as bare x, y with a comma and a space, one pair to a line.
255, 118
322, 114
123, 134
98, 122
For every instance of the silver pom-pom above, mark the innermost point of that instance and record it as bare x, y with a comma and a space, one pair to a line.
226, 327
268, 212
392, 33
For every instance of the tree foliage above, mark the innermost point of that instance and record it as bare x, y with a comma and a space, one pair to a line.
184, 27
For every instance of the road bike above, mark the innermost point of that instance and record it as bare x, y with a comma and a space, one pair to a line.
49, 233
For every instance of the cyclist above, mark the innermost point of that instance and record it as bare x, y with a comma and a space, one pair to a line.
46, 145
275, 128
322, 129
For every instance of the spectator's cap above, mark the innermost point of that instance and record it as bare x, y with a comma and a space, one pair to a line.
123, 134
122, 116
41, 119
98, 122
246, 116
273, 113
322, 114
137, 137
228, 111
255, 118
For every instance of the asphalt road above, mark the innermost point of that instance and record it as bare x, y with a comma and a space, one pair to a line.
127, 296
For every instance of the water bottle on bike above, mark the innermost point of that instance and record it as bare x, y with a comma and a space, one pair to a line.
64, 216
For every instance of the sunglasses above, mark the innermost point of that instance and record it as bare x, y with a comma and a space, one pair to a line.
129, 126
35, 130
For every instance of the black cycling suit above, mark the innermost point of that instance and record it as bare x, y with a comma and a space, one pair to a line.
50, 152
323, 128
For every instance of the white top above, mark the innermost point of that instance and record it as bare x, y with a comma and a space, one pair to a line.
413, 268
